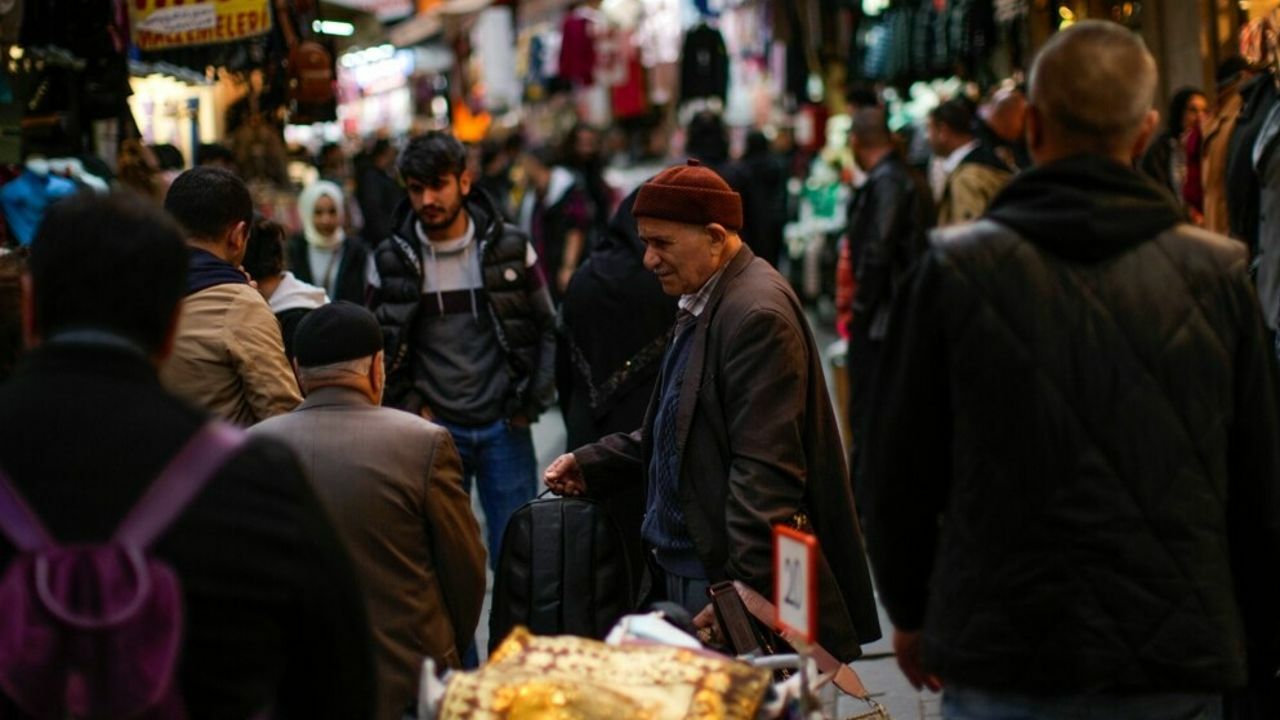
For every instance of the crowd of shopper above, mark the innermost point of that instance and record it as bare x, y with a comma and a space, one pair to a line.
1063, 398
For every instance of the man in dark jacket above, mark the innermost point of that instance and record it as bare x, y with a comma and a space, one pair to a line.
1244, 196
377, 192
888, 221
1072, 478
469, 328
740, 435
274, 621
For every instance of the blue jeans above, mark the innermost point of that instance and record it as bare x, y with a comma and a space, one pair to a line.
960, 703
500, 460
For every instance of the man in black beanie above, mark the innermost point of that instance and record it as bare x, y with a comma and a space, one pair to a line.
393, 484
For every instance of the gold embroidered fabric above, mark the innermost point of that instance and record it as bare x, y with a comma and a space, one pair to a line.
572, 678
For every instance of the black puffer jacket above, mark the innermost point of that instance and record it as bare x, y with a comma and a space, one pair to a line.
515, 296
1073, 468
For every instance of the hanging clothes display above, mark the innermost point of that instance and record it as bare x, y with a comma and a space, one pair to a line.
658, 35
25, 199
47, 23
10, 21
578, 47
704, 65
920, 40
493, 31
629, 93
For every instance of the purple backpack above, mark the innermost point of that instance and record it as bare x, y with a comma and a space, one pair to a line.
95, 631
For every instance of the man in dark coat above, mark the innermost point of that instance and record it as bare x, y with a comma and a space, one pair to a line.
1073, 480
1244, 196
889, 219
378, 193
274, 623
740, 435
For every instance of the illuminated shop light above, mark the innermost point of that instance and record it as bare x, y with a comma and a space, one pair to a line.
333, 27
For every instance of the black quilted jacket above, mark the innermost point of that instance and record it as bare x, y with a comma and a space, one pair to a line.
1074, 482
515, 297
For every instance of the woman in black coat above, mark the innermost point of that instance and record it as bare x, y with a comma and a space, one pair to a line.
606, 369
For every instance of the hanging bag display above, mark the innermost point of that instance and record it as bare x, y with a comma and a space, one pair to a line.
310, 64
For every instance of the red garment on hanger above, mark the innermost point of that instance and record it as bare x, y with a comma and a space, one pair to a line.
630, 99
577, 50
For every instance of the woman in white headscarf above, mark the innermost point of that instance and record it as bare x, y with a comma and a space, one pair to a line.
322, 254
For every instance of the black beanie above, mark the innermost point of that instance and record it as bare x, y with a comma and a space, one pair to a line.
335, 333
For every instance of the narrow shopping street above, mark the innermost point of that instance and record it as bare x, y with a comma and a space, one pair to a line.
501, 359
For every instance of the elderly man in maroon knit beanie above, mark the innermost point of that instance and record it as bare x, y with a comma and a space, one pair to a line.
740, 435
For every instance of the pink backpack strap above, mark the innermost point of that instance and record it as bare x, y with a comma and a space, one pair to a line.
17, 522
182, 479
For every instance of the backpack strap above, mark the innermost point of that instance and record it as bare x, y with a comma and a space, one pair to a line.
182, 479
18, 522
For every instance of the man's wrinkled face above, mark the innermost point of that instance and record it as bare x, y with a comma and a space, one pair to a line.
683, 256
438, 202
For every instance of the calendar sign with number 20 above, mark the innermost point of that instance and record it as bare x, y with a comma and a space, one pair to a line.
795, 581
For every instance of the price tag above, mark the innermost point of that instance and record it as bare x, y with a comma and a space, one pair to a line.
795, 581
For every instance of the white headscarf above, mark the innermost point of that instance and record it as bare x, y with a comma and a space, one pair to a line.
307, 208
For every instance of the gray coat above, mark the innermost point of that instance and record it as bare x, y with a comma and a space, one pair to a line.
393, 484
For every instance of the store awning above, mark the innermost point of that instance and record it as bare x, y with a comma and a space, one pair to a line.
462, 7
382, 9
186, 75
415, 29
424, 25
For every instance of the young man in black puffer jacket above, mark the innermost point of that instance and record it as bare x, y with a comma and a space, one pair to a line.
1073, 479
468, 323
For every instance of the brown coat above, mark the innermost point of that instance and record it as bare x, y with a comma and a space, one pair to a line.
229, 357
1214, 155
392, 482
759, 445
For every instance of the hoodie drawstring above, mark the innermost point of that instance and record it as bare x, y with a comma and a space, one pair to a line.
466, 262
435, 270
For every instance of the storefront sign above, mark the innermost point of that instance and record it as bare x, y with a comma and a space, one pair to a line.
163, 24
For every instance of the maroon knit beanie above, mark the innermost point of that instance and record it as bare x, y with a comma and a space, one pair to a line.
691, 194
